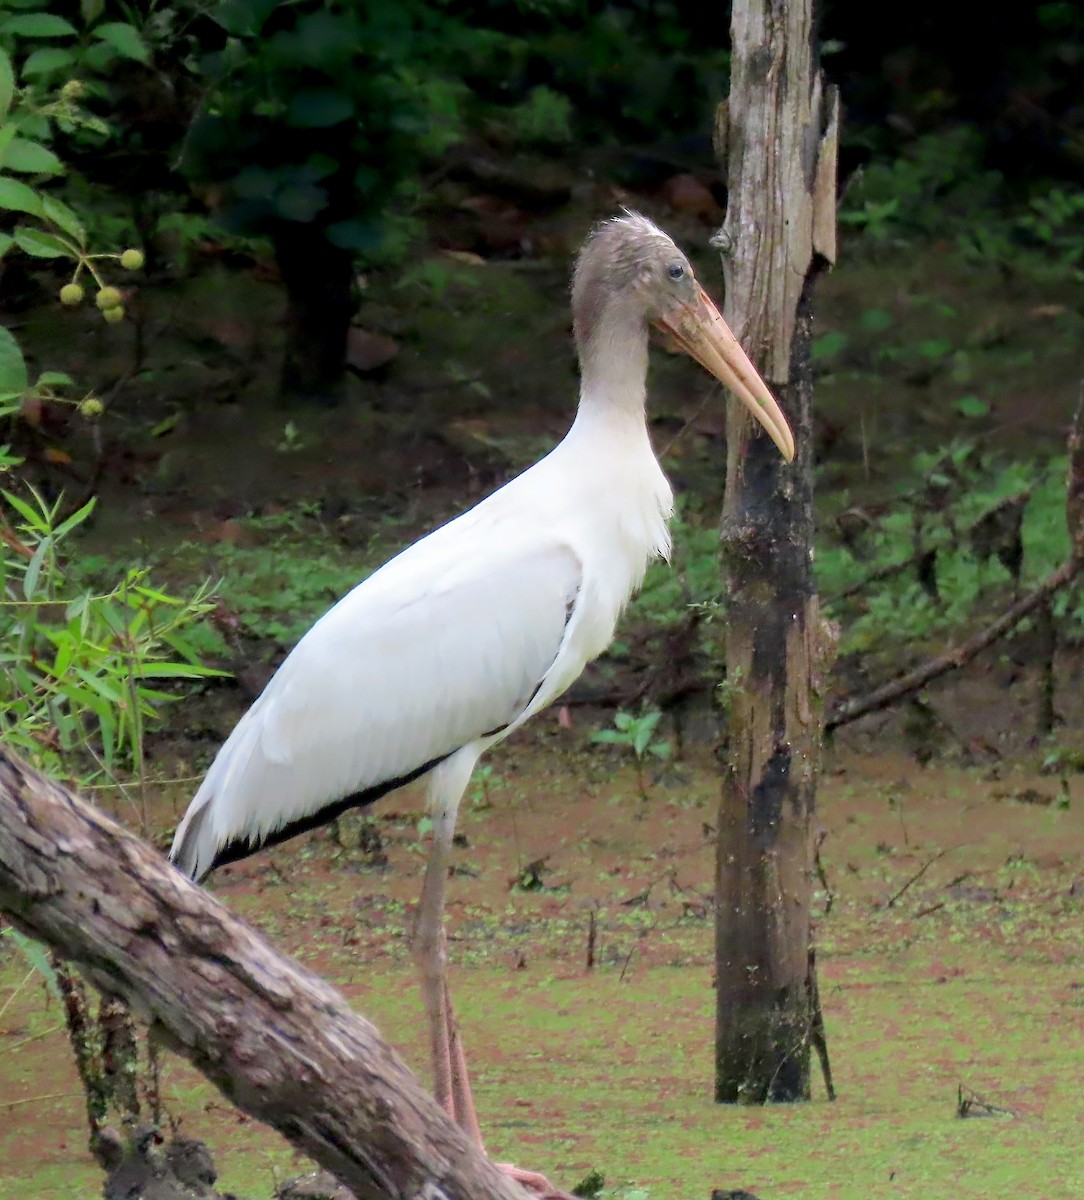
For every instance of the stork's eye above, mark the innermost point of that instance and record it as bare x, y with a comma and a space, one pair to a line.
676, 271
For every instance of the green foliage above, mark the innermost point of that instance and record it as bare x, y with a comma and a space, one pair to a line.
928, 565
322, 113
58, 50
544, 118
937, 180
291, 573
37, 961
1055, 222
45, 227
481, 781
82, 671
938, 188
690, 580
638, 735
920, 568
326, 114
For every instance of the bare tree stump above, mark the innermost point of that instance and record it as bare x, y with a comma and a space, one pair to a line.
277, 1040
778, 136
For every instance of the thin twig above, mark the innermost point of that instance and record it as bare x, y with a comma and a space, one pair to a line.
822, 875
915, 877
34, 1037
5, 1104
970, 1104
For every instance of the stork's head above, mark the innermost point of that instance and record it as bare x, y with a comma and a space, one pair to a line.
630, 271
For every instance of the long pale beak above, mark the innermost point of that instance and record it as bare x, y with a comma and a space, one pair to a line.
699, 329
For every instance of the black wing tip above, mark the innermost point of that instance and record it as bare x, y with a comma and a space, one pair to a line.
238, 848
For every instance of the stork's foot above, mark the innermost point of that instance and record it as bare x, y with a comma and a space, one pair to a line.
535, 1183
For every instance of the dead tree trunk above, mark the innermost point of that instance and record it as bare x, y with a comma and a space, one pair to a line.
278, 1041
778, 138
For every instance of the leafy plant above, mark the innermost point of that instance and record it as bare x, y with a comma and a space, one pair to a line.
47, 228
544, 118
638, 735
1055, 222
966, 530
937, 180
82, 672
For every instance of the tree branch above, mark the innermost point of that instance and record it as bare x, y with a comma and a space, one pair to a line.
958, 656
277, 1040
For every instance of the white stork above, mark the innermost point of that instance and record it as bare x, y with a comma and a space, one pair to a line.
462, 637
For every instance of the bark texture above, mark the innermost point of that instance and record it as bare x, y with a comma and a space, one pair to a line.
277, 1040
778, 136
318, 278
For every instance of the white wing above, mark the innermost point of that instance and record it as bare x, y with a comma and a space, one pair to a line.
445, 644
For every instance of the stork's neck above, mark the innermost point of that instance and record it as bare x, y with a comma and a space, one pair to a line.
613, 374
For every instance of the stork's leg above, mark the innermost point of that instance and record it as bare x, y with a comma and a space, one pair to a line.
451, 1083
430, 950
462, 1096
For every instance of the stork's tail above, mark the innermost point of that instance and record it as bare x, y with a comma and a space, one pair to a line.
192, 851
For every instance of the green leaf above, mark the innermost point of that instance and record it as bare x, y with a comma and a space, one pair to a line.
934, 347
46, 60
300, 201
166, 424
828, 345
610, 737
35, 955
972, 406
359, 236
876, 320
61, 215
40, 244
175, 671
7, 83
319, 109
6, 242
77, 518
29, 515
54, 379
31, 158
33, 567
13, 376
18, 197
125, 39
41, 25
91, 10
101, 686
645, 727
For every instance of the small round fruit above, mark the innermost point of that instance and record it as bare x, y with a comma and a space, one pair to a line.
72, 90
71, 294
91, 407
115, 314
108, 297
131, 260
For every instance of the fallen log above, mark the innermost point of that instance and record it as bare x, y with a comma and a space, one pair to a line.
278, 1041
